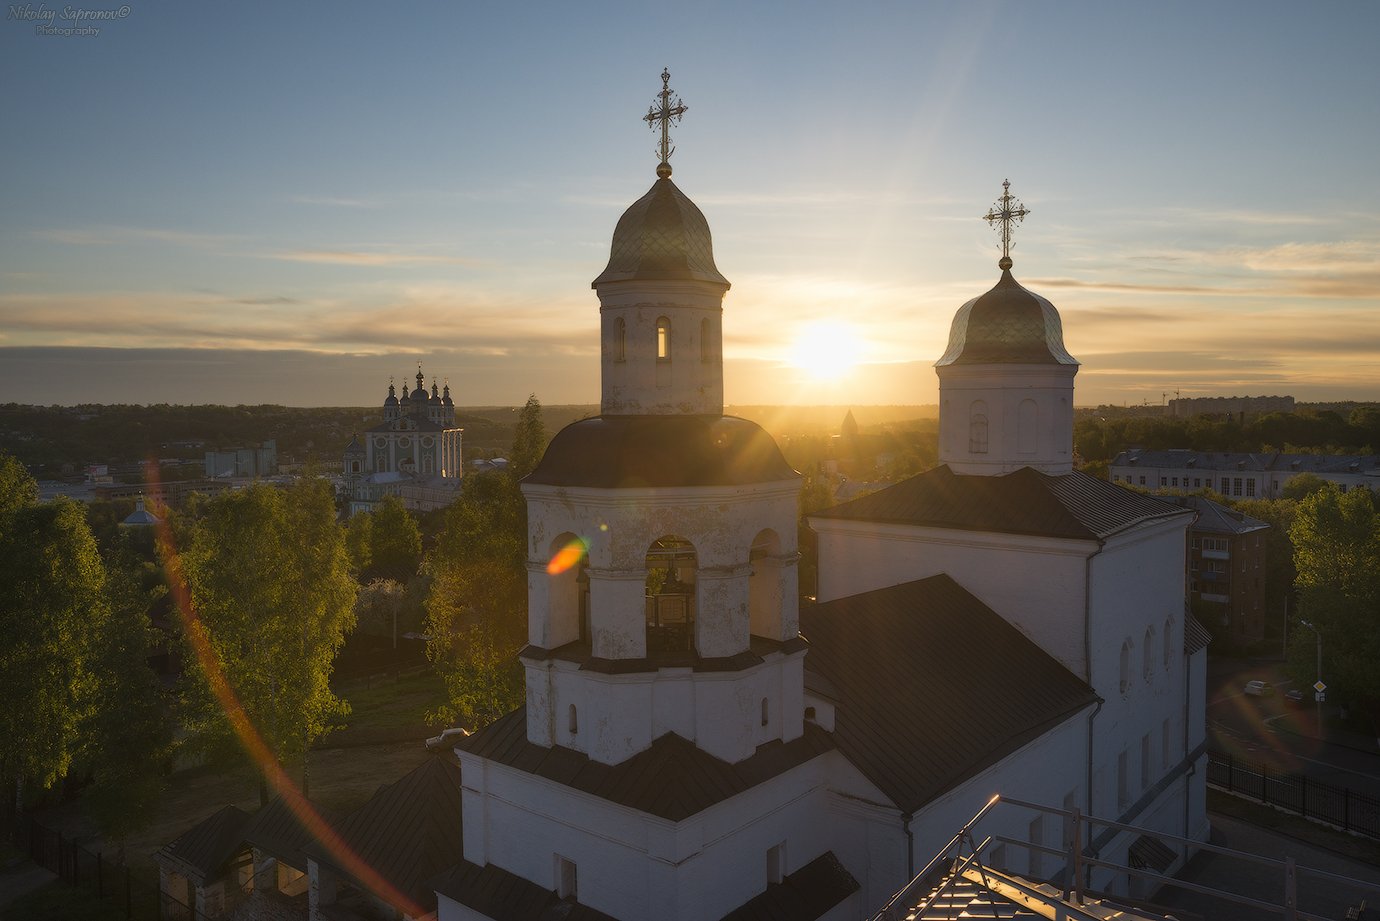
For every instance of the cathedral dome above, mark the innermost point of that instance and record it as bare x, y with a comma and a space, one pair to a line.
662, 236
1007, 325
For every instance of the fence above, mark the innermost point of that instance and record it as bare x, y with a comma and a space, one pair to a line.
133, 894
1342, 807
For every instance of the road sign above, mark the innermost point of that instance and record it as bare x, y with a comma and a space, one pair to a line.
1320, 697
1319, 686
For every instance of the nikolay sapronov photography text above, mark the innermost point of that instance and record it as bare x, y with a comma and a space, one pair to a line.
68, 21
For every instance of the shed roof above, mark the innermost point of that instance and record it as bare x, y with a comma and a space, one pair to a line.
934, 686
1025, 501
673, 779
203, 850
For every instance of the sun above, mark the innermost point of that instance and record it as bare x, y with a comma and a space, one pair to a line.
827, 350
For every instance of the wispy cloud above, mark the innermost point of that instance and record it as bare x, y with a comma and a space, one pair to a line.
367, 259
115, 235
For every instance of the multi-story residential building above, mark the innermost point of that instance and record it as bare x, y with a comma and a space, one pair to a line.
1240, 475
1226, 561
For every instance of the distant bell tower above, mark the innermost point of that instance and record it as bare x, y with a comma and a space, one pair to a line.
662, 587
1006, 380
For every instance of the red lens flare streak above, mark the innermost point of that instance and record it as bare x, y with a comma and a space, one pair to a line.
254, 745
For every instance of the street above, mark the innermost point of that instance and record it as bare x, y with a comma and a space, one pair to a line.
1282, 733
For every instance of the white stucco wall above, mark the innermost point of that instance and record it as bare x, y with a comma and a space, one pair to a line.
1035, 583
1028, 411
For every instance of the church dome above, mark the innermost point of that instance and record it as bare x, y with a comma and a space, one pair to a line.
662, 236
1007, 325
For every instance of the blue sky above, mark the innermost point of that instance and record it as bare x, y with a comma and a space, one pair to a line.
292, 202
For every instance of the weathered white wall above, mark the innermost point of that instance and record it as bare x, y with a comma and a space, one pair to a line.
1040, 436
690, 380
1035, 583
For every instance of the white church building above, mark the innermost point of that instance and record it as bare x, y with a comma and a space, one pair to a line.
695, 744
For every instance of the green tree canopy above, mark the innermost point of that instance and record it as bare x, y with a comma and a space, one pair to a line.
395, 542
529, 441
1336, 539
269, 582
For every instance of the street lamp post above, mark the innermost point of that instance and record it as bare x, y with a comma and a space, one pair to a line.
1317, 695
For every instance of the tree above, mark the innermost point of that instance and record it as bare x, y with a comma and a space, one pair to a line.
1302, 486
1336, 539
1279, 554
529, 441
53, 614
395, 542
477, 606
271, 598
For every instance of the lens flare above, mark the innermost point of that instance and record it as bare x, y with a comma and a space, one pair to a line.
567, 557
200, 641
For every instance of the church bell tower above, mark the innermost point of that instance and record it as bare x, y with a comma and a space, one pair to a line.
662, 587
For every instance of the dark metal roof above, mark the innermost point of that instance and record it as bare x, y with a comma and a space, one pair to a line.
805, 895
203, 850
934, 686
1215, 518
673, 779
1024, 501
277, 830
610, 452
662, 236
408, 831
495, 893
1010, 325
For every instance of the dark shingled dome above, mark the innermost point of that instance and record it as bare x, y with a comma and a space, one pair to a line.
1008, 324
613, 452
662, 236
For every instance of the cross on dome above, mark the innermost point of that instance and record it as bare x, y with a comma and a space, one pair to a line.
669, 112
1006, 211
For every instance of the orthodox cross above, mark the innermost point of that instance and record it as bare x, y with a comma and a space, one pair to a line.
1007, 210
670, 111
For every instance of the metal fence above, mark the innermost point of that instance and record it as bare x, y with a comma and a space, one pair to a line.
133, 894
1342, 807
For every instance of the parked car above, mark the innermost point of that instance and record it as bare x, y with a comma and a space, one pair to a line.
1260, 688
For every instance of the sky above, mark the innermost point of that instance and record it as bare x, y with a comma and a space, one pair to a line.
290, 203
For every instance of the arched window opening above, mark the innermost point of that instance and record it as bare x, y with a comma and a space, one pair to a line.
1125, 666
764, 585
1027, 426
620, 340
568, 589
574, 721
765, 712
1168, 643
977, 428
706, 347
1148, 654
810, 714
670, 596
663, 339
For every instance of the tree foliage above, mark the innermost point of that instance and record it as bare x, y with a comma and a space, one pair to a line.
1336, 539
395, 542
477, 608
269, 582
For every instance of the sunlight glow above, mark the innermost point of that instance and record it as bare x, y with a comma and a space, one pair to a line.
827, 349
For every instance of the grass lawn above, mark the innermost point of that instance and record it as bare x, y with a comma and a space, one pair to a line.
1325, 836
382, 741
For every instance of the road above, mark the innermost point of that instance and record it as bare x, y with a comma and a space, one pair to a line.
1282, 733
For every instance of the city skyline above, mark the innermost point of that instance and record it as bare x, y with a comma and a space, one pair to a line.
278, 205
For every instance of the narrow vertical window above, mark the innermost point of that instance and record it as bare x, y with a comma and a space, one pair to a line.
663, 339
765, 713
574, 721
706, 347
977, 428
620, 340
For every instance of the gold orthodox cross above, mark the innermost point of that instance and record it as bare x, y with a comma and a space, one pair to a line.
1007, 210
670, 111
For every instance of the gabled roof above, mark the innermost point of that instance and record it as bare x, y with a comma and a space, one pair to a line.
934, 685
203, 850
408, 832
1025, 501
806, 894
277, 830
495, 893
673, 779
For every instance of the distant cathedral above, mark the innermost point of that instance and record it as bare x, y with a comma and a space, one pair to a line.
415, 453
